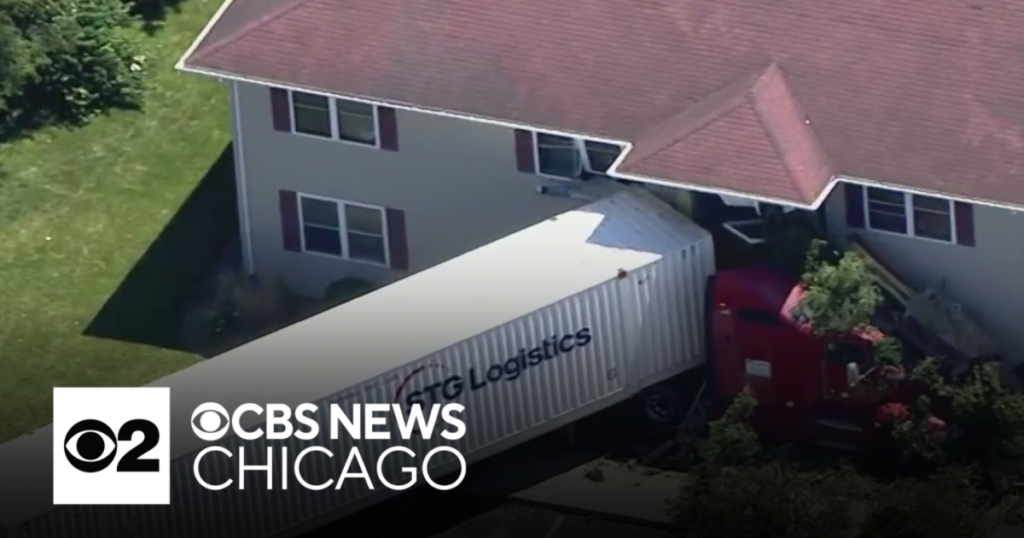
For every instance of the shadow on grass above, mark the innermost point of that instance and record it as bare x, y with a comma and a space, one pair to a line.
153, 12
33, 117
20, 128
145, 308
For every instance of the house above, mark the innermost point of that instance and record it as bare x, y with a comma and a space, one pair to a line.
380, 137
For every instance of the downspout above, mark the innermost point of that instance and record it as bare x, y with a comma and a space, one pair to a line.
245, 230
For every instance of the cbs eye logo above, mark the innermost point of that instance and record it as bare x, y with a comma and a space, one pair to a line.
91, 446
210, 421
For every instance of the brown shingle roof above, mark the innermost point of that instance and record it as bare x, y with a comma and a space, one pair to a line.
925, 94
751, 135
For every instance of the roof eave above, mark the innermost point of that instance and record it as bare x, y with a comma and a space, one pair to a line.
181, 64
185, 66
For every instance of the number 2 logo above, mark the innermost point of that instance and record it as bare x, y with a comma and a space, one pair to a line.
91, 446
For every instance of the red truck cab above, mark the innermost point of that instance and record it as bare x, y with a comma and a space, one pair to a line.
828, 391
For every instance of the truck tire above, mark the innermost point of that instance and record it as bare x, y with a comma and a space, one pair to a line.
661, 407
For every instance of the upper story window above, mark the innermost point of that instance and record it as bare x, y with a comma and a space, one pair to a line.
330, 118
340, 119
600, 155
567, 157
558, 156
909, 214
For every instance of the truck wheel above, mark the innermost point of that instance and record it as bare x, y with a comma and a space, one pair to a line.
661, 406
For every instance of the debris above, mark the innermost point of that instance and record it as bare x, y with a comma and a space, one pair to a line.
594, 475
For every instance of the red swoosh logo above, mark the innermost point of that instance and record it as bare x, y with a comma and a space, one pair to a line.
405, 383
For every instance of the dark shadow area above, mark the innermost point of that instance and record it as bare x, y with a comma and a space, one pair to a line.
19, 128
146, 307
423, 512
153, 12
26, 124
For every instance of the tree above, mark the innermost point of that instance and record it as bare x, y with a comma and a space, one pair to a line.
985, 415
731, 439
737, 492
64, 61
17, 64
769, 501
840, 293
944, 505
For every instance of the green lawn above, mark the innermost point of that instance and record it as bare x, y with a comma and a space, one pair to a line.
79, 209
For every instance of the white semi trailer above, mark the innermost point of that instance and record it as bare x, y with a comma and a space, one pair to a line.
530, 333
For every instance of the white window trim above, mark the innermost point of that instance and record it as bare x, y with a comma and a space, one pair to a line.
332, 109
343, 231
586, 155
733, 228
581, 150
908, 215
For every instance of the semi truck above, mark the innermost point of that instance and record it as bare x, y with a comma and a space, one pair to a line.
613, 301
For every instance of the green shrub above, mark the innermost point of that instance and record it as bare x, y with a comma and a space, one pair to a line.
945, 504
16, 61
985, 415
731, 439
345, 289
767, 501
246, 308
64, 61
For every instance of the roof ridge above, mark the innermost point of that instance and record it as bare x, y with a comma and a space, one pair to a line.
279, 12
774, 74
734, 97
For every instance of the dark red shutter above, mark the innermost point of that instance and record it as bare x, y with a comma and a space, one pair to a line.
964, 215
398, 244
280, 109
854, 195
524, 152
289, 202
388, 127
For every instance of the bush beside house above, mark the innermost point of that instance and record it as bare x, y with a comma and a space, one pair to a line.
244, 308
344, 290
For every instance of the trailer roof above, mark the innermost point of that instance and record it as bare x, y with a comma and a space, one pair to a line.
395, 325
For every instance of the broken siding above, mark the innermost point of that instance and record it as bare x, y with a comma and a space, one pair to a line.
987, 278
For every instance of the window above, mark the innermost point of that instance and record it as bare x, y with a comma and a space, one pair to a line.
356, 122
600, 156
558, 156
752, 232
312, 114
340, 119
932, 218
335, 228
843, 353
910, 214
760, 317
566, 157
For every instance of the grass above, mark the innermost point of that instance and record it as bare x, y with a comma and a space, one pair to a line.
81, 210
